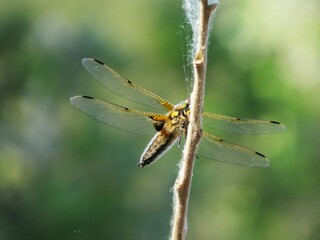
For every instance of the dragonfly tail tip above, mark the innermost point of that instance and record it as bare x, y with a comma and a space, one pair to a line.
140, 165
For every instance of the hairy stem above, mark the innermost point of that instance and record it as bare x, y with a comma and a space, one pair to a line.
182, 185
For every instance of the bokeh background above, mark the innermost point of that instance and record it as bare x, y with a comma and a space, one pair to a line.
64, 175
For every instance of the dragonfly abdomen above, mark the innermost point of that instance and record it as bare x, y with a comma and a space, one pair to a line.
158, 145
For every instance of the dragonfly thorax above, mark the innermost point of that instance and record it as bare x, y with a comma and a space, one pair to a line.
179, 116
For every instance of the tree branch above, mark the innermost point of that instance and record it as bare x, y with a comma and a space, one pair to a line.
183, 182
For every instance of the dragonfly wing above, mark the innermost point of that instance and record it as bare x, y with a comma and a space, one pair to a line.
116, 116
221, 150
242, 126
122, 86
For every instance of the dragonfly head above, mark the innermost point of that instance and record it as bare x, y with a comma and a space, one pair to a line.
185, 107
186, 104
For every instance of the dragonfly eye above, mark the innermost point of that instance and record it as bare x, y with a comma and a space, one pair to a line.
186, 105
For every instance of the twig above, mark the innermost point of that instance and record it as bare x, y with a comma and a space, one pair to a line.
183, 181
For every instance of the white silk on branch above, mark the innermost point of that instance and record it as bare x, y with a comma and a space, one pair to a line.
191, 8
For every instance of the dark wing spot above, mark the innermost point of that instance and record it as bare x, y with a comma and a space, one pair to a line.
275, 122
127, 109
221, 140
260, 154
88, 97
99, 61
129, 82
238, 119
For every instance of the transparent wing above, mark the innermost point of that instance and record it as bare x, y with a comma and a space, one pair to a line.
116, 116
122, 86
242, 126
220, 150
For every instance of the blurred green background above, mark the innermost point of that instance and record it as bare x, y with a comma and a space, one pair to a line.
64, 175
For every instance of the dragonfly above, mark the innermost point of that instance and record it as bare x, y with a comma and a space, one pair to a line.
169, 122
